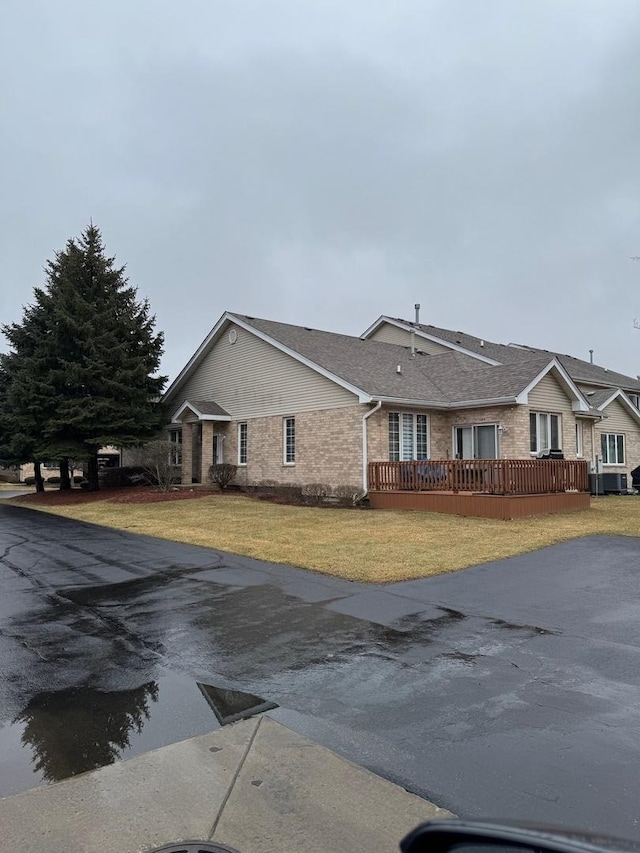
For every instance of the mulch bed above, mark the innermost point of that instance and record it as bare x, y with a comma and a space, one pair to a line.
131, 495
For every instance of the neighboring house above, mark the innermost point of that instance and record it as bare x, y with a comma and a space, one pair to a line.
108, 457
295, 405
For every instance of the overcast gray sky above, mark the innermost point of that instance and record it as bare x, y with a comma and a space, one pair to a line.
325, 161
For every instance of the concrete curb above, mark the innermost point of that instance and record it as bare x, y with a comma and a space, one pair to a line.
256, 786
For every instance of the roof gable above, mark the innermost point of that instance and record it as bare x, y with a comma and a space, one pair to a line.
491, 352
421, 332
246, 323
622, 398
204, 410
578, 404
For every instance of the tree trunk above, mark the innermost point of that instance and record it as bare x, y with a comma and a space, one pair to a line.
92, 471
65, 479
38, 475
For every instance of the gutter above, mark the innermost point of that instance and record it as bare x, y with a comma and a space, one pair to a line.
456, 404
365, 453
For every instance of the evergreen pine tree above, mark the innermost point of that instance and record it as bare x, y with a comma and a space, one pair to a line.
85, 358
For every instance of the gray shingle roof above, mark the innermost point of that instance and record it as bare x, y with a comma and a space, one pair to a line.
207, 407
597, 397
442, 379
578, 369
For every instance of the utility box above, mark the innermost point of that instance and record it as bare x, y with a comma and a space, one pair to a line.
596, 484
614, 484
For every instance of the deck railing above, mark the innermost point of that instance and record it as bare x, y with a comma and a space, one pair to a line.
487, 476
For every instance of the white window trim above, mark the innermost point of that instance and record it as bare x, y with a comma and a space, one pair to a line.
579, 439
415, 434
624, 450
284, 441
495, 425
548, 415
246, 443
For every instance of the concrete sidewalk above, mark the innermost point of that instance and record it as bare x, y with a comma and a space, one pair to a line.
255, 786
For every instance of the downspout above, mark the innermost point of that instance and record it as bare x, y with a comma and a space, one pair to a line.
365, 454
594, 455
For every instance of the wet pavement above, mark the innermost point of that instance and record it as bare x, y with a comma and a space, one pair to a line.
507, 690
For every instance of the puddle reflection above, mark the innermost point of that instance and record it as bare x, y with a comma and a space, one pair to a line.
80, 729
66, 732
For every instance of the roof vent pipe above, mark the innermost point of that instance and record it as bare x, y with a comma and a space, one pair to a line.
591, 356
413, 329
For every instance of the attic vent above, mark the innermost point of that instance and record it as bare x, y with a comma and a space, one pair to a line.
590, 393
307, 329
233, 336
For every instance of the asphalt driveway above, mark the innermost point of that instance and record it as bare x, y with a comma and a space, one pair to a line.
507, 690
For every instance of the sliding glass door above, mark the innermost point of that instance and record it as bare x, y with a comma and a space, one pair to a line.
476, 441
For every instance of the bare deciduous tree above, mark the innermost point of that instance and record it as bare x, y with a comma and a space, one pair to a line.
156, 459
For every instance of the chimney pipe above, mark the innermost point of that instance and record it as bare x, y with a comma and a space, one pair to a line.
413, 329
591, 356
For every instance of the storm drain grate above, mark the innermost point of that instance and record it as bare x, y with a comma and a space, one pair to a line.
229, 706
194, 847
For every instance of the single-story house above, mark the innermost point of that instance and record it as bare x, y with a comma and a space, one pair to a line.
296, 405
108, 457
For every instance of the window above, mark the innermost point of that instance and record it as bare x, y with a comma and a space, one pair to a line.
289, 432
476, 441
544, 431
612, 444
408, 437
175, 437
242, 444
579, 445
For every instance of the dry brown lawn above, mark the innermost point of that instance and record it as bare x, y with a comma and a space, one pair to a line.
364, 545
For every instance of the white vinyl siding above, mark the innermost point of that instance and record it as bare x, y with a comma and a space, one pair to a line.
618, 419
389, 334
252, 378
408, 436
549, 396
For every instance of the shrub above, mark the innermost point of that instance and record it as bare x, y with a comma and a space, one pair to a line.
29, 481
78, 478
125, 475
155, 460
53, 480
316, 491
222, 474
347, 493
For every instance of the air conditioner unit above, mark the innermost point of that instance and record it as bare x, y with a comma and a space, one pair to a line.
614, 483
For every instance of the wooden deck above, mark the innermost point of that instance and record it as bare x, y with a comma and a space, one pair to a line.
487, 488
